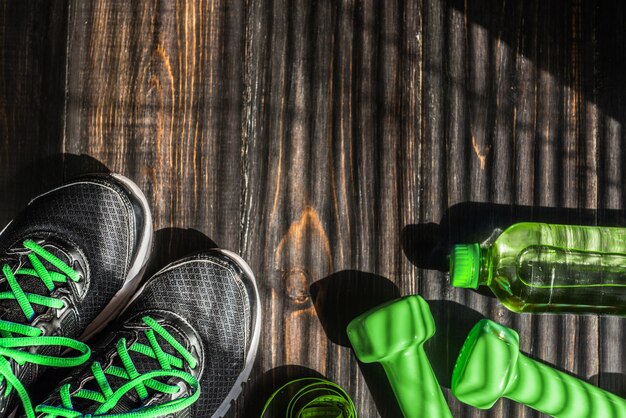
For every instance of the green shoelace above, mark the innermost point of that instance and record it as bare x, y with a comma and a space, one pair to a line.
16, 340
171, 366
309, 398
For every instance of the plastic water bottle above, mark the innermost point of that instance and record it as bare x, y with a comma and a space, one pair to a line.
537, 267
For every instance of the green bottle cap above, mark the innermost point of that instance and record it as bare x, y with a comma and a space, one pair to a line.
465, 265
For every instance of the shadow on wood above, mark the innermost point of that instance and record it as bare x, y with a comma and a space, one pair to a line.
545, 32
342, 296
453, 323
32, 76
171, 244
36, 177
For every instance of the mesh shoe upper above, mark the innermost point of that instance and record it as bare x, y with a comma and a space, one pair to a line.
95, 217
89, 224
209, 305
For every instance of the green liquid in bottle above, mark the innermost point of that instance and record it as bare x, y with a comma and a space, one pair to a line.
534, 267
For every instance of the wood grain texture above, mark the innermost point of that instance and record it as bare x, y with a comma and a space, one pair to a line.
341, 147
155, 92
32, 79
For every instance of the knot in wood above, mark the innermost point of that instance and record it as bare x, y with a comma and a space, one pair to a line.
297, 285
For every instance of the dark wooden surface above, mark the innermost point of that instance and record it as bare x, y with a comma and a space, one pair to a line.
341, 147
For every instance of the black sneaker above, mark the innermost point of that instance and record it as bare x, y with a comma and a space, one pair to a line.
70, 262
182, 349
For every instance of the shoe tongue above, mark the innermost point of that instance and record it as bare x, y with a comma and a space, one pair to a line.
10, 309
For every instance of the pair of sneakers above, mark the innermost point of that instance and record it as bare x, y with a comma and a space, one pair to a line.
181, 345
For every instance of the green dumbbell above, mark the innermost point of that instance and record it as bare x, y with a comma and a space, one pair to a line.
393, 334
490, 366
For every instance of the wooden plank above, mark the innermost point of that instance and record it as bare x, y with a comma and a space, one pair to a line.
32, 80
299, 154
155, 93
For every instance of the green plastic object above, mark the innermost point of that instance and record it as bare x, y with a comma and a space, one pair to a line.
537, 267
490, 366
309, 398
393, 334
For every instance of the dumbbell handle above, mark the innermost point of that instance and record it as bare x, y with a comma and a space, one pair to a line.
414, 383
560, 395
